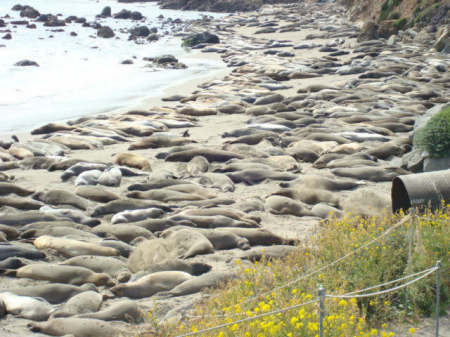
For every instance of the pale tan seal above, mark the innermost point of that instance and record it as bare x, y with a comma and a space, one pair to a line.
78, 327
156, 141
70, 247
9, 188
282, 205
151, 284
132, 160
61, 274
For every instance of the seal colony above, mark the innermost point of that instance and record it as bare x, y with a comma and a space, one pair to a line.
308, 123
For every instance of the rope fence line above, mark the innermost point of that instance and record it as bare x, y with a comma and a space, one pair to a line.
381, 292
355, 294
314, 272
318, 270
424, 273
393, 281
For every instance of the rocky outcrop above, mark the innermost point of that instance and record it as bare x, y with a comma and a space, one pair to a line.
105, 32
200, 38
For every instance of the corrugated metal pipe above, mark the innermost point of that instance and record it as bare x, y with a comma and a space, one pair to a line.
420, 190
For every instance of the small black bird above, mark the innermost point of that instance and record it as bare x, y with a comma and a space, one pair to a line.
14, 138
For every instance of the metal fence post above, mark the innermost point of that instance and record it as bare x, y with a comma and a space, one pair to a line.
321, 309
438, 294
410, 244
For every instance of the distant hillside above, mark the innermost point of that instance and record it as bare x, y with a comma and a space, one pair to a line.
401, 13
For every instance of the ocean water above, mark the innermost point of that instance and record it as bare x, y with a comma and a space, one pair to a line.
82, 75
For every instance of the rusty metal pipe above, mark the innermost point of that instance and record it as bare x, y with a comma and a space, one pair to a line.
420, 190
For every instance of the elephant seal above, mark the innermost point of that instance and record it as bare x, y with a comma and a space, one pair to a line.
11, 263
282, 205
126, 311
79, 167
197, 165
70, 247
123, 232
9, 188
258, 236
9, 250
220, 239
375, 174
20, 203
193, 268
160, 140
61, 197
255, 176
10, 232
151, 284
324, 211
111, 177
88, 178
308, 195
270, 252
217, 180
121, 205
50, 128
213, 221
323, 183
156, 184
25, 218
159, 255
61, 274
187, 243
54, 293
64, 164
367, 202
59, 231
156, 225
82, 303
210, 155
136, 215
123, 248
26, 307
227, 212
194, 285
96, 193
112, 266
78, 327
133, 160
70, 214
165, 195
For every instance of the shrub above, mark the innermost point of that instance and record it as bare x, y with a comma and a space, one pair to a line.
434, 137
386, 259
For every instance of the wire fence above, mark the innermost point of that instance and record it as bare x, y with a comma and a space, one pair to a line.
315, 271
355, 294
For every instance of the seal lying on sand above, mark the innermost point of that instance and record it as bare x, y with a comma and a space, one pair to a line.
61, 274
26, 307
151, 284
78, 327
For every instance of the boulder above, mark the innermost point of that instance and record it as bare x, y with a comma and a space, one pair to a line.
369, 31
200, 38
105, 32
26, 63
106, 12
141, 31
29, 12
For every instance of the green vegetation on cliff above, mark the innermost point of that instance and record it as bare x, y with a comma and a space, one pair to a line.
434, 137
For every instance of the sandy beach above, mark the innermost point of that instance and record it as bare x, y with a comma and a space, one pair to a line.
303, 122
